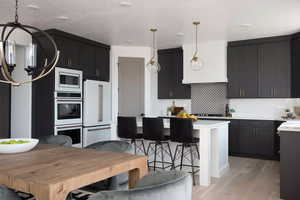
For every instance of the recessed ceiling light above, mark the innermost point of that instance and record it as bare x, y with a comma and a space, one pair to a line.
125, 3
63, 18
180, 34
33, 7
245, 25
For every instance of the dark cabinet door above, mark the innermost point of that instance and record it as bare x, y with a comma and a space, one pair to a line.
69, 52
295, 67
182, 91
170, 77
166, 76
5, 110
233, 88
242, 71
87, 60
102, 64
246, 138
264, 138
275, 70
234, 137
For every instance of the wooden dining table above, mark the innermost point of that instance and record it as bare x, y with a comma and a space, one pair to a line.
51, 172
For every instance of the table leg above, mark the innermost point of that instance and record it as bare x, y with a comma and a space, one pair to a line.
205, 156
136, 174
45, 193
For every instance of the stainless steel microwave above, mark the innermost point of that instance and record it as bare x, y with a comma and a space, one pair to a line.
68, 80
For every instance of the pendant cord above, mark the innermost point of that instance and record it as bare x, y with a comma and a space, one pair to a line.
153, 44
16, 12
196, 38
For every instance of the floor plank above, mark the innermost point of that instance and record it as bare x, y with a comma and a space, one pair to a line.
248, 179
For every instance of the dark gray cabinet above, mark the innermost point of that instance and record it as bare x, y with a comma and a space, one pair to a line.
260, 68
76, 53
81, 54
5, 110
289, 165
253, 138
242, 71
275, 69
170, 77
257, 138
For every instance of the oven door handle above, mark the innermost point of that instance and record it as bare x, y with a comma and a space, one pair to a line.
69, 100
99, 129
68, 127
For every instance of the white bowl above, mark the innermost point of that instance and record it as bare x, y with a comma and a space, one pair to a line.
17, 148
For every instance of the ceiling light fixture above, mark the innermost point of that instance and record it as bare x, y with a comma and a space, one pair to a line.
196, 62
33, 7
62, 18
125, 4
180, 34
153, 64
8, 53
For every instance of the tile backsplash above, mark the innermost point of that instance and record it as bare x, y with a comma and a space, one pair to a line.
209, 98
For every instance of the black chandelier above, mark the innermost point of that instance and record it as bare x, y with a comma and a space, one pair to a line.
8, 53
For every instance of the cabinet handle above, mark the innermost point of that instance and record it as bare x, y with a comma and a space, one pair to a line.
170, 93
274, 93
244, 93
240, 92
254, 131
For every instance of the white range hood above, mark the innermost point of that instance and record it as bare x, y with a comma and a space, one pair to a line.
214, 56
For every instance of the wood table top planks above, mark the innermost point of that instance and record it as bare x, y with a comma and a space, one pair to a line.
50, 172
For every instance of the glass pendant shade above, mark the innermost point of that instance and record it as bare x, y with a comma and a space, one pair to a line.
196, 64
31, 55
153, 64
10, 53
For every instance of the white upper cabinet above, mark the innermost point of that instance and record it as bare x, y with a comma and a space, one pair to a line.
214, 57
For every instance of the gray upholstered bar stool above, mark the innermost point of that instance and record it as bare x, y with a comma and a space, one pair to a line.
162, 185
116, 182
62, 140
7, 194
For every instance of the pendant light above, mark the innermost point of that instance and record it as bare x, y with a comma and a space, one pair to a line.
196, 62
153, 64
8, 53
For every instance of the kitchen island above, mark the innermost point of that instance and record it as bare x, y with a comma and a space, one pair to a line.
213, 147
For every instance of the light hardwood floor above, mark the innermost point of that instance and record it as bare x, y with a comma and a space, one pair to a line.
248, 179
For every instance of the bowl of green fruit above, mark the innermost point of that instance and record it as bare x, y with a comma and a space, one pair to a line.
17, 145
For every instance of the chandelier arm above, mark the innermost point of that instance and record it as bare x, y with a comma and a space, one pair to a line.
45, 74
4, 67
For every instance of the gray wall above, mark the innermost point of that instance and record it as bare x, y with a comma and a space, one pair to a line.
209, 98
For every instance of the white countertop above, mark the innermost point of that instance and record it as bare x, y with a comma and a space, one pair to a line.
197, 124
290, 126
242, 118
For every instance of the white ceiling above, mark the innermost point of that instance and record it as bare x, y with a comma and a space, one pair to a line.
108, 22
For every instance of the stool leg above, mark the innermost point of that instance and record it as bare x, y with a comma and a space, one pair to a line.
162, 156
144, 148
175, 155
170, 152
182, 152
192, 162
197, 149
155, 152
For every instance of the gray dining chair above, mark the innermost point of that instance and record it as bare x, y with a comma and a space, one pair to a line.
7, 194
116, 182
164, 185
57, 139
